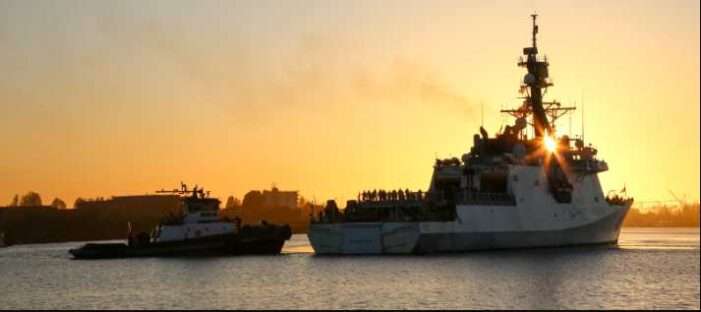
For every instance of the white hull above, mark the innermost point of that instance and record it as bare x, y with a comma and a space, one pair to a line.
433, 237
536, 220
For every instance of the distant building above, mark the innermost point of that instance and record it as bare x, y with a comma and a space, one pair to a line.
99, 219
273, 206
151, 205
280, 199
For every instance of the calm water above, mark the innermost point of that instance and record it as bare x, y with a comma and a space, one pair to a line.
651, 268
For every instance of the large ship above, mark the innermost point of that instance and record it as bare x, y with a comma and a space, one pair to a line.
508, 191
197, 230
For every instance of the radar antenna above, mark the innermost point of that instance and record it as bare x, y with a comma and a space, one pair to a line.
184, 190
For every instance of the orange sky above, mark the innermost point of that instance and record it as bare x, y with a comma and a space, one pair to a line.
329, 98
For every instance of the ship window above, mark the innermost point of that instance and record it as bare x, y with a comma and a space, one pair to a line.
515, 178
596, 199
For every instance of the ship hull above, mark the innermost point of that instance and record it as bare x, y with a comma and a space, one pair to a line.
447, 237
603, 231
269, 241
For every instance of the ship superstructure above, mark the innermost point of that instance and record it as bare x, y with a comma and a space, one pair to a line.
508, 191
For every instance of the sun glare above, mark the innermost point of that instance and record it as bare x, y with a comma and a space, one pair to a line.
549, 143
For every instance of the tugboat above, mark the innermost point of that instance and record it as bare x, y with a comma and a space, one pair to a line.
508, 191
198, 231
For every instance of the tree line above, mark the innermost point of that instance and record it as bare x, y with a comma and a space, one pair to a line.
33, 199
682, 215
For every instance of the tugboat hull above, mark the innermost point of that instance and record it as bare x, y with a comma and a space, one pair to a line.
267, 240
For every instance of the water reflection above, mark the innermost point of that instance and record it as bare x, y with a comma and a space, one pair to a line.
653, 276
659, 239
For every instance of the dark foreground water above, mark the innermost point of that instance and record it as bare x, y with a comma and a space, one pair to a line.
651, 268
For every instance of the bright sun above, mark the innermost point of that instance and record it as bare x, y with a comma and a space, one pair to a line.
549, 143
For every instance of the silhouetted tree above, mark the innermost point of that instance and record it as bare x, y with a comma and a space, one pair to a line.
15, 201
78, 202
253, 200
232, 202
30, 199
58, 203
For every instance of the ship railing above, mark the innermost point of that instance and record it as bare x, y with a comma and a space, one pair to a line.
486, 198
592, 165
389, 203
618, 199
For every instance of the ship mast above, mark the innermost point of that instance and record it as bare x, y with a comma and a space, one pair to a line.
535, 81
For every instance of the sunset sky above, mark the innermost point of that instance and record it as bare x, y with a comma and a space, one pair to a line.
101, 98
